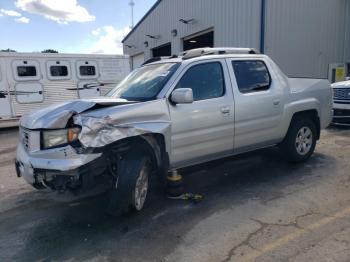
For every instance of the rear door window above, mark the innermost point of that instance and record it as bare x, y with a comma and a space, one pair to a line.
205, 80
251, 76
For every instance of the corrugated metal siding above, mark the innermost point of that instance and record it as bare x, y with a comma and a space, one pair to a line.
235, 23
54, 92
305, 36
302, 36
347, 34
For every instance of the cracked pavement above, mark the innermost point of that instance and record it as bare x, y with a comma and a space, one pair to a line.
256, 207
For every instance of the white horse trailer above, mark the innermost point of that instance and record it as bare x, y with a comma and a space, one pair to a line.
29, 81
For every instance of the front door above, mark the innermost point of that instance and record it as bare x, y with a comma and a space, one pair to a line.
5, 106
204, 129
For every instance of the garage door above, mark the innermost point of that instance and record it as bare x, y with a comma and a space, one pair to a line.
137, 60
202, 39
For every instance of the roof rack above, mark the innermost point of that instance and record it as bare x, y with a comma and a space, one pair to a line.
153, 59
217, 51
158, 58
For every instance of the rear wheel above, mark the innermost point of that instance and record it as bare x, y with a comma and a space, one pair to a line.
130, 188
300, 141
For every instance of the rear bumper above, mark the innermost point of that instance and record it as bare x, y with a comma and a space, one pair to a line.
66, 171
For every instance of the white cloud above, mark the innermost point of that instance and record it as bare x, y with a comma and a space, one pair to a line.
20, 18
96, 32
109, 40
23, 20
60, 11
9, 13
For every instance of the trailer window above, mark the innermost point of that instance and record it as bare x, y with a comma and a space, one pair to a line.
26, 71
87, 70
57, 71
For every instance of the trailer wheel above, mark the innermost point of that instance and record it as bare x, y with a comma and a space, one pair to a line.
130, 188
300, 141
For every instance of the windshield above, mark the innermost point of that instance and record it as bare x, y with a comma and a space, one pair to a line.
144, 83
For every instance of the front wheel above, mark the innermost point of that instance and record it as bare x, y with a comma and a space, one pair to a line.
300, 141
129, 191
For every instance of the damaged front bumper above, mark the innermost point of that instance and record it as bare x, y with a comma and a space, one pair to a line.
58, 168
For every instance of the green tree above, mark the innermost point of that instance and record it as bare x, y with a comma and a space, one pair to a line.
49, 51
7, 50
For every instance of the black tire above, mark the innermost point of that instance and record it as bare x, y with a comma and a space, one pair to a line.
295, 151
122, 196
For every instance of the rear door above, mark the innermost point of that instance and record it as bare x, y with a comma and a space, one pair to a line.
5, 106
258, 105
204, 129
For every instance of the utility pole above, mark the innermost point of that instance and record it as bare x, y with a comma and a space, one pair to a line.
132, 4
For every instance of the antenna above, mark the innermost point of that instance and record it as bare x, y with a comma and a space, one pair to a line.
132, 4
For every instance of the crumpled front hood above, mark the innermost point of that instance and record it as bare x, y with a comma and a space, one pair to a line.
57, 116
105, 120
107, 125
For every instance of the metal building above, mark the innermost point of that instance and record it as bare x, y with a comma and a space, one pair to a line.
307, 38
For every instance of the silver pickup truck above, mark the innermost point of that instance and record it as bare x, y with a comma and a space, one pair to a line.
168, 114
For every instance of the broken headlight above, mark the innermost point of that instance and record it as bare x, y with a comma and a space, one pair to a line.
59, 137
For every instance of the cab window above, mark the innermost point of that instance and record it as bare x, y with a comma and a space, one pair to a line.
205, 80
251, 76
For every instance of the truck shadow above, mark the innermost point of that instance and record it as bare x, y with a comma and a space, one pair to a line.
82, 230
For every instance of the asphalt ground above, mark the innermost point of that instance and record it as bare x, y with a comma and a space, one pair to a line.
256, 207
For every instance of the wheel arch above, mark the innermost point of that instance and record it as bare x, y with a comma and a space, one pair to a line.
153, 144
311, 114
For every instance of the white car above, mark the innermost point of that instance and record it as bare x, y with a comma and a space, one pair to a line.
341, 103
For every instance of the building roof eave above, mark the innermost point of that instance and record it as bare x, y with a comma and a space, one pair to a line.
142, 19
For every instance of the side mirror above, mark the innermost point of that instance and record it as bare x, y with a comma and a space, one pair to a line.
182, 96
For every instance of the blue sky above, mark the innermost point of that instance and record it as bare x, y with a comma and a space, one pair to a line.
68, 26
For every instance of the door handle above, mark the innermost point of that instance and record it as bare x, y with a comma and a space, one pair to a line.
225, 110
276, 102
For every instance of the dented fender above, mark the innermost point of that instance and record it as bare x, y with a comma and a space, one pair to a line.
105, 126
